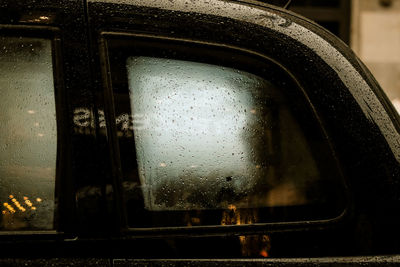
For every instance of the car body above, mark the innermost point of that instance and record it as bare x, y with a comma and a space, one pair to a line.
349, 137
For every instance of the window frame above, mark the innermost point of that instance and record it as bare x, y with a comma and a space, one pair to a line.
61, 187
209, 230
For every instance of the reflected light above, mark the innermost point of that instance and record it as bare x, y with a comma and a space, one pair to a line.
162, 164
232, 207
31, 112
18, 205
396, 104
40, 134
264, 253
8, 206
28, 202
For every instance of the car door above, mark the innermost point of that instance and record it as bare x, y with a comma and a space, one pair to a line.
240, 130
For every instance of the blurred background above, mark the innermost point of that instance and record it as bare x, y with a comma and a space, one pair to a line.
370, 27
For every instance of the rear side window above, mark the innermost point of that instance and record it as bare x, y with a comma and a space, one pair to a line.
28, 134
205, 138
208, 143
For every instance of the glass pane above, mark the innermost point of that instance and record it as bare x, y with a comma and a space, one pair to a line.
207, 138
203, 144
28, 134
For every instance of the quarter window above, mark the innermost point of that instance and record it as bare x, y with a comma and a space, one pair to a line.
28, 134
208, 144
205, 138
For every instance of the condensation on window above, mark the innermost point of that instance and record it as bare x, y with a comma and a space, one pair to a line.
211, 137
28, 134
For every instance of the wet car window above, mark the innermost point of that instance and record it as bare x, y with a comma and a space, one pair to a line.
202, 144
205, 138
27, 133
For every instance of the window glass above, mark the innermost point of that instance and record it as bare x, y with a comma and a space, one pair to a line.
205, 138
27, 133
203, 142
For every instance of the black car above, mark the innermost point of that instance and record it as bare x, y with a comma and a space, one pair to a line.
220, 132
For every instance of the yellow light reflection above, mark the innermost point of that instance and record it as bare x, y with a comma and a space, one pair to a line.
18, 205
28, 202
232, 207
8, 206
